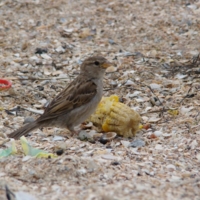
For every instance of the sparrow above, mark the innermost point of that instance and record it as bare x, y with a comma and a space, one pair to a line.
76, 102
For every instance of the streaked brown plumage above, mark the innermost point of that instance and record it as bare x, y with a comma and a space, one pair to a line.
76, 102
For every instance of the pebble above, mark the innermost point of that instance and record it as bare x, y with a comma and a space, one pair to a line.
115, 163
137, 143
159, 147
109, 157
158, 133
111, 41
58, 138
59, 152
113, 83
24, 195
46, 56
107, 137
26, 158
60, 49
129, 82
198, 157
171, 167
40, 51
125, 143
28, 120
155, 101
155, 86
83, 135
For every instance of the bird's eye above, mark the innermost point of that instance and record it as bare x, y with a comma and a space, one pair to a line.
96, 63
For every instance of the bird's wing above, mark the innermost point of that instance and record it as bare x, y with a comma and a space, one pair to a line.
76, 94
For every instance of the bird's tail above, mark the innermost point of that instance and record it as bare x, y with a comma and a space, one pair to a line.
23, 130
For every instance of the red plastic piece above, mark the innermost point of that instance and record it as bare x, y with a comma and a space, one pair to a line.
5, 84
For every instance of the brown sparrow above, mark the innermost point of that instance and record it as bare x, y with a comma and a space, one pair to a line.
76, 102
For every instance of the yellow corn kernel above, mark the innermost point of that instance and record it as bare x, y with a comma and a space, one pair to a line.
113, 116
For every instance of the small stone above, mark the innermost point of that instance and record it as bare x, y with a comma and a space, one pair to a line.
60, 49
111, 41
166, 135
107, 137
84, 135
82, 171
134, 94
194, 144
25, 82
58, 138
125, 143
16, 55
24, 195
66, 32
155, 101
40, 51
34, 58
43, 102
85, 33
159, 147
171, 167
28, 120
115, 163
155, 86
69, 30
26, 158
137, 143
46, 56
175, 179
192, 6
198, 157
129, 83
152, 136
181, 76
113, 83
40, 88
158, 133
109, 157
59, 152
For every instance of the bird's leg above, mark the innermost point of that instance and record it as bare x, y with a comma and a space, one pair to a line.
75, 131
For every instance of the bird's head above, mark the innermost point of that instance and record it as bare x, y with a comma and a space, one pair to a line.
95, 66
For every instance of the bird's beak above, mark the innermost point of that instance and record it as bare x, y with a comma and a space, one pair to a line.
106, 64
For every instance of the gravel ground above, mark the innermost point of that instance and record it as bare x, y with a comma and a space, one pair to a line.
154, 47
